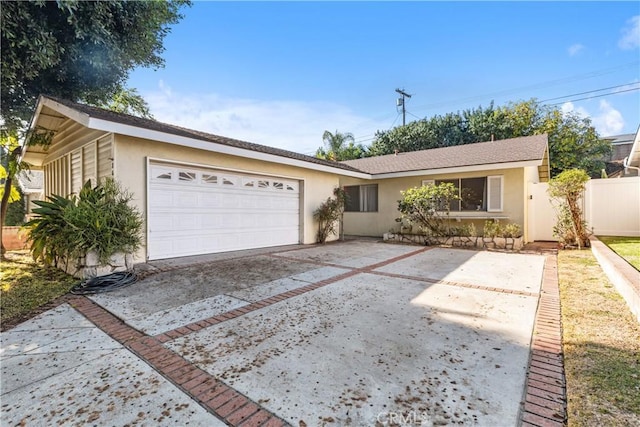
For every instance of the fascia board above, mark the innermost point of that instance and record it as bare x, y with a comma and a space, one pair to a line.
153, 135
472, 168
75, 115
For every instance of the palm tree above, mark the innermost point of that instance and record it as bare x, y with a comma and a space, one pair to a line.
339, 146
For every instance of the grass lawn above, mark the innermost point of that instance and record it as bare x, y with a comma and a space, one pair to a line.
627, 247
601, 346
27, 286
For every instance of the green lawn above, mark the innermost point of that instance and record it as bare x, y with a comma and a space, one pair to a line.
601, 340
627, 247
27, 285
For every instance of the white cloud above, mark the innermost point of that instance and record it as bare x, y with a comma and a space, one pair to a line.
292, 125
630, 34
608, 120
574, 49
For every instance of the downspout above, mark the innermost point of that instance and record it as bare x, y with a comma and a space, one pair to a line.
626, 165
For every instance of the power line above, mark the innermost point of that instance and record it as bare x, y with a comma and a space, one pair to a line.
596, 96
577, 77
592, 91
529, 87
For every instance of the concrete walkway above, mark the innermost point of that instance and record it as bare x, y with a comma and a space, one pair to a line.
357, 333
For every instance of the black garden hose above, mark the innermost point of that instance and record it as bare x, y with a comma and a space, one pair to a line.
100, 284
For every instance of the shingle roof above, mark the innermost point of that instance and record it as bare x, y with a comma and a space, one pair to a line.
155, 125
503, 151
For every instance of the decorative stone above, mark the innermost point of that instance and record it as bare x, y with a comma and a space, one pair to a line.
117, 260
91, 259
509, 243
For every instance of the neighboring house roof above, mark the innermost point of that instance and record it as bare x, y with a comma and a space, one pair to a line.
514, 150
634, 157
626, 138
100, 116
620, 146
31, 181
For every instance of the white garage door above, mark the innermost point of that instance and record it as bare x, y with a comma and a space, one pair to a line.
199, 211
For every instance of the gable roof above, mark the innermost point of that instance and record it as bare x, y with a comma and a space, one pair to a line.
99, 118
51, 112
514, 150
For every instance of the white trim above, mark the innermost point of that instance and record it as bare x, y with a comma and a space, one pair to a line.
75, 115
459, 169
205, 166
146, 206
134, 131
501, 179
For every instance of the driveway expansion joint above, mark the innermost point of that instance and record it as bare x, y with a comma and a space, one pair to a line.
213, 395
241, 311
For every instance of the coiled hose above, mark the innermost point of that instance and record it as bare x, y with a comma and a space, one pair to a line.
100, 284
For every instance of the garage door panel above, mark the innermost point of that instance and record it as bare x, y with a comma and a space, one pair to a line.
195, 211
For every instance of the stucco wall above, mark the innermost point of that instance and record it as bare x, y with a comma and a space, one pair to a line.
130, 159
378, 223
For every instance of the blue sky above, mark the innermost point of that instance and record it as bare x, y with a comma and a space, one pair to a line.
280, 74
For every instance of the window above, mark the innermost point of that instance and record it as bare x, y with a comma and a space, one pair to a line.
476, 194
209, 179
186, 176
362, 198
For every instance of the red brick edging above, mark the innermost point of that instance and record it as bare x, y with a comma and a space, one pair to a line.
544, 402
216, 397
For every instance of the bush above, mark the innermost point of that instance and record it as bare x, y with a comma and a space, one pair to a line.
491, 229
329, 213
494, 229
567, 189
99, 219
512, 230
428, 207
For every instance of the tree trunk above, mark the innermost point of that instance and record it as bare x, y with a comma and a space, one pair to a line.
3, 211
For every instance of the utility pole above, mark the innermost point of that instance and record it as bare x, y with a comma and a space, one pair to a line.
400, 102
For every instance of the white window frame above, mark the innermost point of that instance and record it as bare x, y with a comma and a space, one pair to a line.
497, 179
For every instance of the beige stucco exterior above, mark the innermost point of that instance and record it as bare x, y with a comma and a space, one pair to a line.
130, 164
90, 145
377, 223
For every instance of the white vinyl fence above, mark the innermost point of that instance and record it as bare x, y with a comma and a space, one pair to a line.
611, 208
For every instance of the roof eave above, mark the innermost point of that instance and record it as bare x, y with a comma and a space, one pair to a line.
459, 169
139, 132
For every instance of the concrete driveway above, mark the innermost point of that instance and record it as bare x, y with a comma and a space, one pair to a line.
359, 333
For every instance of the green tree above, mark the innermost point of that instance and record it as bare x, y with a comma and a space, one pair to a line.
339, 146
567, 189
77, 50
573, 141
128, 101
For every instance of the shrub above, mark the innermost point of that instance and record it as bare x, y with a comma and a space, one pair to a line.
428, 207
465, 230
491, 229
99, 219
512, 230
566, 190
494, 229
329, 213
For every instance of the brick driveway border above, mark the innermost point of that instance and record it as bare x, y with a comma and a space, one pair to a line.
544, 402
